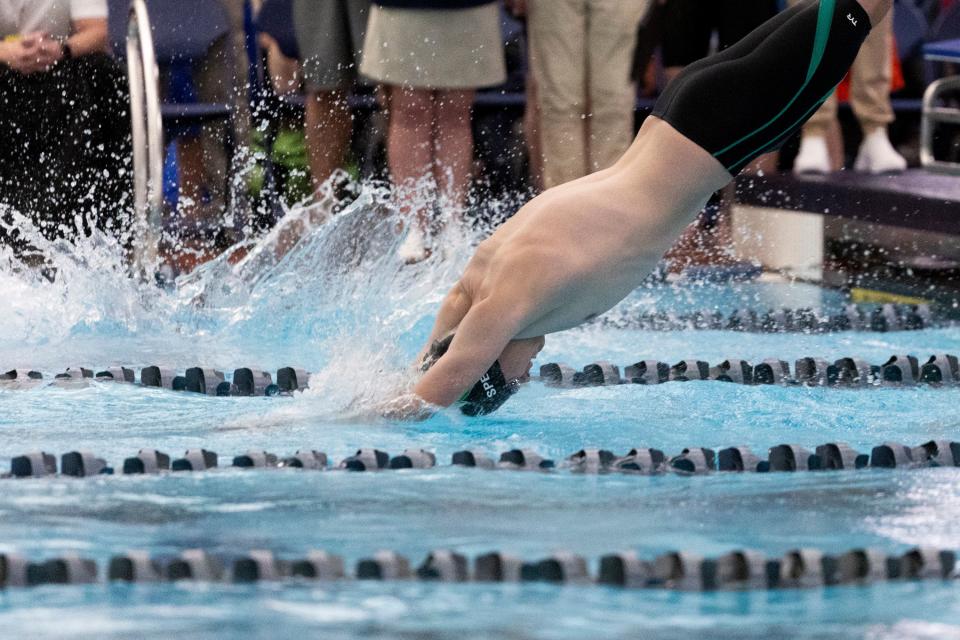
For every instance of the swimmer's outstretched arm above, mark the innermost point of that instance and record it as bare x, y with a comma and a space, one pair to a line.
481, 337
455, 306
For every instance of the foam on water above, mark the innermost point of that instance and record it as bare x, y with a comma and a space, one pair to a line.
340, 302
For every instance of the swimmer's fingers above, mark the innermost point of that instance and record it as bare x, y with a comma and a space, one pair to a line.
479, 341
406, 407
454, 308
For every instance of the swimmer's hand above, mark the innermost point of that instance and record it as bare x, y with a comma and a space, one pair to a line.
409, 406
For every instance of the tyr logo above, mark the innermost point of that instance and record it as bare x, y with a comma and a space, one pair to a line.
852, 19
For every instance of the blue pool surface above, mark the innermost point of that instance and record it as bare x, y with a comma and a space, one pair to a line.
356, 331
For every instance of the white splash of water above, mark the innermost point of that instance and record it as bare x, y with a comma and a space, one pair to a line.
322, 290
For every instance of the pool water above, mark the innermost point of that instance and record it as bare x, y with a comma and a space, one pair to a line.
342, 306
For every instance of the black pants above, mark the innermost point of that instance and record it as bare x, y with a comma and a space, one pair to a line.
65, 157
750, 98
689, 24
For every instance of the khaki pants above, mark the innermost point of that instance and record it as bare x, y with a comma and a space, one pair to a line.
870, 80
581, 53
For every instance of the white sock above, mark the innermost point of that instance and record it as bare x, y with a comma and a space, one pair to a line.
877, 155
814, 155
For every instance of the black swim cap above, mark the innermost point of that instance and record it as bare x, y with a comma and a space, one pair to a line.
490, 391
435, 352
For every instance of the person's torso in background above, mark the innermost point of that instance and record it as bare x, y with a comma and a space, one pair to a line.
53, 17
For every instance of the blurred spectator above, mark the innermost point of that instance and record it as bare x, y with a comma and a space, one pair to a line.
531, 132
688, 29
203, 160
282, 134
235, 55
581, 54
279, 133
432, 55
65, 157
501, 158
330, 35
647, 71
687, 32
689, 25
274, 20
870, 83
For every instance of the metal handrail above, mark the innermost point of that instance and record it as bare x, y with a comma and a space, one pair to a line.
934, 115
147, 127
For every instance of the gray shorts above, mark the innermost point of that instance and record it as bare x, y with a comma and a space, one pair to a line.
330, 35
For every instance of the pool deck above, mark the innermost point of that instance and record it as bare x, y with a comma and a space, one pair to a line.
916, 199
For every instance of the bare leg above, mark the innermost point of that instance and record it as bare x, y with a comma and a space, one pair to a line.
876, 9
766, 164
410, 140
328, 126
531, 134
190, 164
453, 144
835, 145
284, 72
195, 221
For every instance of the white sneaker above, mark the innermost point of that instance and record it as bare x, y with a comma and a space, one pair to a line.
413, 248
814, 156
877, 155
